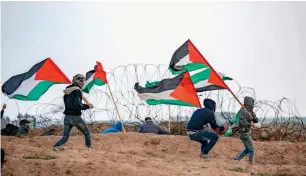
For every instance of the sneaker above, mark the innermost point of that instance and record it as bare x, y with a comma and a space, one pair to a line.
204, 156
58, 149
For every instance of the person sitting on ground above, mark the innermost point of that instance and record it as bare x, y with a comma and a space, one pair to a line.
23, 128
195, 129
9, 130
114, 129
49, 132
73, 111
150, 127
244, 125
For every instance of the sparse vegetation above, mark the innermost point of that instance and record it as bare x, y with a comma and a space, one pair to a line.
39, 157
274, 174
239, 169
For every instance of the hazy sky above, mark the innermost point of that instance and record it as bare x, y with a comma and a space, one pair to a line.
260, 44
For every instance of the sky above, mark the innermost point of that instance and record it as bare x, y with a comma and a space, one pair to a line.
259, 44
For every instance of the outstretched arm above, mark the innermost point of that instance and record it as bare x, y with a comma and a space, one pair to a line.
214, 124
162, 131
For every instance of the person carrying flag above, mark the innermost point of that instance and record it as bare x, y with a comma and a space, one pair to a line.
73, 107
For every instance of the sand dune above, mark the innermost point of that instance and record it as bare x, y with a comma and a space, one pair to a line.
135, 154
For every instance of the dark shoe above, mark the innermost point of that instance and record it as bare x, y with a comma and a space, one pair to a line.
204, 156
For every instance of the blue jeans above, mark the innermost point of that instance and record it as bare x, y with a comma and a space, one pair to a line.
206, 138
249, 148
69, 122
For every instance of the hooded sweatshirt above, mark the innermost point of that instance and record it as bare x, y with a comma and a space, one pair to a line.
73, 101
150, 127
204, 116
114, 129
244, 122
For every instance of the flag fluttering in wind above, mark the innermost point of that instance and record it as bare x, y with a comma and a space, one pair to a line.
33, 84
95, 77
175, 91
200, 81
188, 58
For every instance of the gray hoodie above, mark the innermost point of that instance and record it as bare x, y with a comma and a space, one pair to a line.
244, 123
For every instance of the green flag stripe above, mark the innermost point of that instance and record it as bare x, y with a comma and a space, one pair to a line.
36, 92
189, 67
89, 86
172, 102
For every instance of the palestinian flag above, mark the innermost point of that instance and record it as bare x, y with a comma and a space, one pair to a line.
188, 58
34, 83
176, 91
95, 77
200, 80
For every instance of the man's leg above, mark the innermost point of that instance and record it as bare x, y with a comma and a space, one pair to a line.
81, 125
198, 137
212, 137
65, 137
66, 132
243, 153
250, 146
203, 144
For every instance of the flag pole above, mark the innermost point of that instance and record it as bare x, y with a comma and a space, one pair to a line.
221, 79
116, 107
85, 99
169, 119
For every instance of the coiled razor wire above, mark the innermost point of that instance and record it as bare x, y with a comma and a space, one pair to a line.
280, 120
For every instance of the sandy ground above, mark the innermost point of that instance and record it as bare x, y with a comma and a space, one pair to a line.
135, 154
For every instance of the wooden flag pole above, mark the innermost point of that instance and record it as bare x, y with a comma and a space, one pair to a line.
116, 107
85, 99
221, 80
169, 120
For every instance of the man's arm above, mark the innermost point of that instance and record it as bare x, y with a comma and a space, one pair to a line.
2, 112
141, 128
214, 124
255, 119
77, 101
162, 131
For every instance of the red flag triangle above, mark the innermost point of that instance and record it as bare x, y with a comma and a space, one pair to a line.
215, 79
186, 92
197, 57
49, 71
100, 73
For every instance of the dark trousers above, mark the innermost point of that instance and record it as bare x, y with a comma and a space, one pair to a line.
69, 122
206, 138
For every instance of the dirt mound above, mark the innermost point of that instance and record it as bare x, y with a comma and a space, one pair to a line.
146, 154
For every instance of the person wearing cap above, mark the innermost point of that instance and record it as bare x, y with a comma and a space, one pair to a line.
150, 127
195, 129
73, 107
23, 128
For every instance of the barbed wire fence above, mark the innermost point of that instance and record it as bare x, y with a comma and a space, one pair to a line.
280, 120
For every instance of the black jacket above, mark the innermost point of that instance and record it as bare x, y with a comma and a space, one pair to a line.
150, 127
204, 116
73, 101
